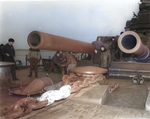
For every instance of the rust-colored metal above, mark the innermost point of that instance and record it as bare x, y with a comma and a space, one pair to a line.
45, 41
89, 70
35, 87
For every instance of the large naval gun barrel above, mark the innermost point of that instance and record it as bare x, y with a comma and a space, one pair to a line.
129, 42
45, 41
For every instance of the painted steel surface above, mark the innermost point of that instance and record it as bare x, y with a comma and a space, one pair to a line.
45, 41
89, 70
129, 42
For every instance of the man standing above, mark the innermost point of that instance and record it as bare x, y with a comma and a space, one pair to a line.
34, 57
1, 53
113, 48
9, 54
98, 43
105, 59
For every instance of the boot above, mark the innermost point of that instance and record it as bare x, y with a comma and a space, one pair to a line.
15, 78
13, 71
36, 75
30, 75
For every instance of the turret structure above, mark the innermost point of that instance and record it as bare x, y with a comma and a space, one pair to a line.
140, 23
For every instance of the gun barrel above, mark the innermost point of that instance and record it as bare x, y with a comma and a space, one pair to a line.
130, 42
45, 41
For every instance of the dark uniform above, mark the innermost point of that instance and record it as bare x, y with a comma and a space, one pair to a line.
105, 60
9, 49
9, 54
1, 53
96, 56
113, 46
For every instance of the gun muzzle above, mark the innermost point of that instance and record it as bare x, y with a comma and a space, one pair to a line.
40, 40
129, 42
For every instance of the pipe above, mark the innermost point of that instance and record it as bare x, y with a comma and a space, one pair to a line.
128, 70
122, 75
129, 42
40, 40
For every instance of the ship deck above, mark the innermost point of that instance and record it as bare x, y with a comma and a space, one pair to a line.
128, 101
